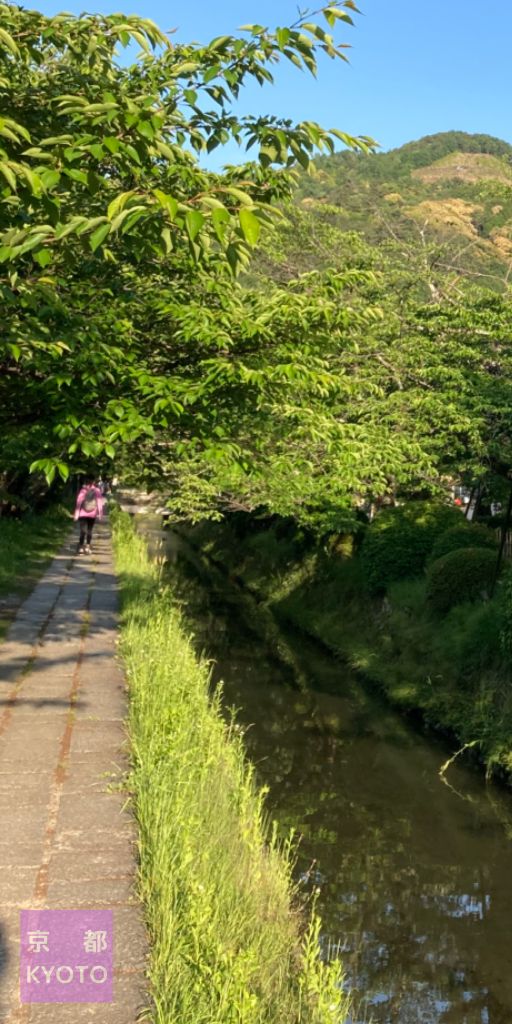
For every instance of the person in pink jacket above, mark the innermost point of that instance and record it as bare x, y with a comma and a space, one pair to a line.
88, 508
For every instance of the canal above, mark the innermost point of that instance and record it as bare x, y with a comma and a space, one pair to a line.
412, 871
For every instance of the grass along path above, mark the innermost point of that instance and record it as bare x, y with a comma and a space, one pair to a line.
26, 547
230, 944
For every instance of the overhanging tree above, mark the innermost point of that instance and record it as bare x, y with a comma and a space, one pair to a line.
102, 202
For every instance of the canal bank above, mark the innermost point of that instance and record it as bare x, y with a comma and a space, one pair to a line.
447, 671
411, 871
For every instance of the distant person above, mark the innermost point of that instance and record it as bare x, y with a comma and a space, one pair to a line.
88, 508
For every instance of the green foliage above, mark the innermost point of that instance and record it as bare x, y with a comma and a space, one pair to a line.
126, 335
471, 638
26, 546
217, 889
107, 222
464, 535
448, 668
399, 540
462, 575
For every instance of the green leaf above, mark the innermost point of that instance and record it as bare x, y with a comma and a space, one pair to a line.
31, 243
134, 215
165, 150
99, 236
282, 36
72, 226
233, 257
132, 152
9, 43
118, 203
268, 155
294, 58
33, 179
250, 225
43, 257
123, 215
168, 203
333, 14
112, 144
141, 39
220, 221
145, 128
49, 177
75, 175
89, 225
8, 174
211, 203
193, 223
167, 238
238, 194
187, 68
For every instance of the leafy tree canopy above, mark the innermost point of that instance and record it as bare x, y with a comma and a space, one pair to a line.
103, 207
324, 373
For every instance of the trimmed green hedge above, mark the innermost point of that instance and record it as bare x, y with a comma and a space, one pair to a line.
462, 575
465, 535
399, 541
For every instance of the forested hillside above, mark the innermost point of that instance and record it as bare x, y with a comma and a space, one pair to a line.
446, 198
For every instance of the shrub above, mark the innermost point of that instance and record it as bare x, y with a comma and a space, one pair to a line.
461, 575
398, 542
465, 535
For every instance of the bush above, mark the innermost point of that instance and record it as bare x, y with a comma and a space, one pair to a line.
465, 535
462, 575
399, 541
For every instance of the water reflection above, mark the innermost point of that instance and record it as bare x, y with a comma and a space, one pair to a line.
414, 877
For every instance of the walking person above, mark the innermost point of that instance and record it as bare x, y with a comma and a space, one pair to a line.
88, 508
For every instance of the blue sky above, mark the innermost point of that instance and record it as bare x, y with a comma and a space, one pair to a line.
416, 67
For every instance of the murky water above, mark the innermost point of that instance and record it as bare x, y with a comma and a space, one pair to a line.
414, 874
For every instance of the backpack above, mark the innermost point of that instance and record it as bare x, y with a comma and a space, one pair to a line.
89, 504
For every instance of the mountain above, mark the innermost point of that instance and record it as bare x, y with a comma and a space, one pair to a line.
449, 195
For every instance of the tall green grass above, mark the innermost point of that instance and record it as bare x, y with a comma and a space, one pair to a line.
26, 546
230, 942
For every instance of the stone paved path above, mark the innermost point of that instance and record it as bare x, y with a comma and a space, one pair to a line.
66, 839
